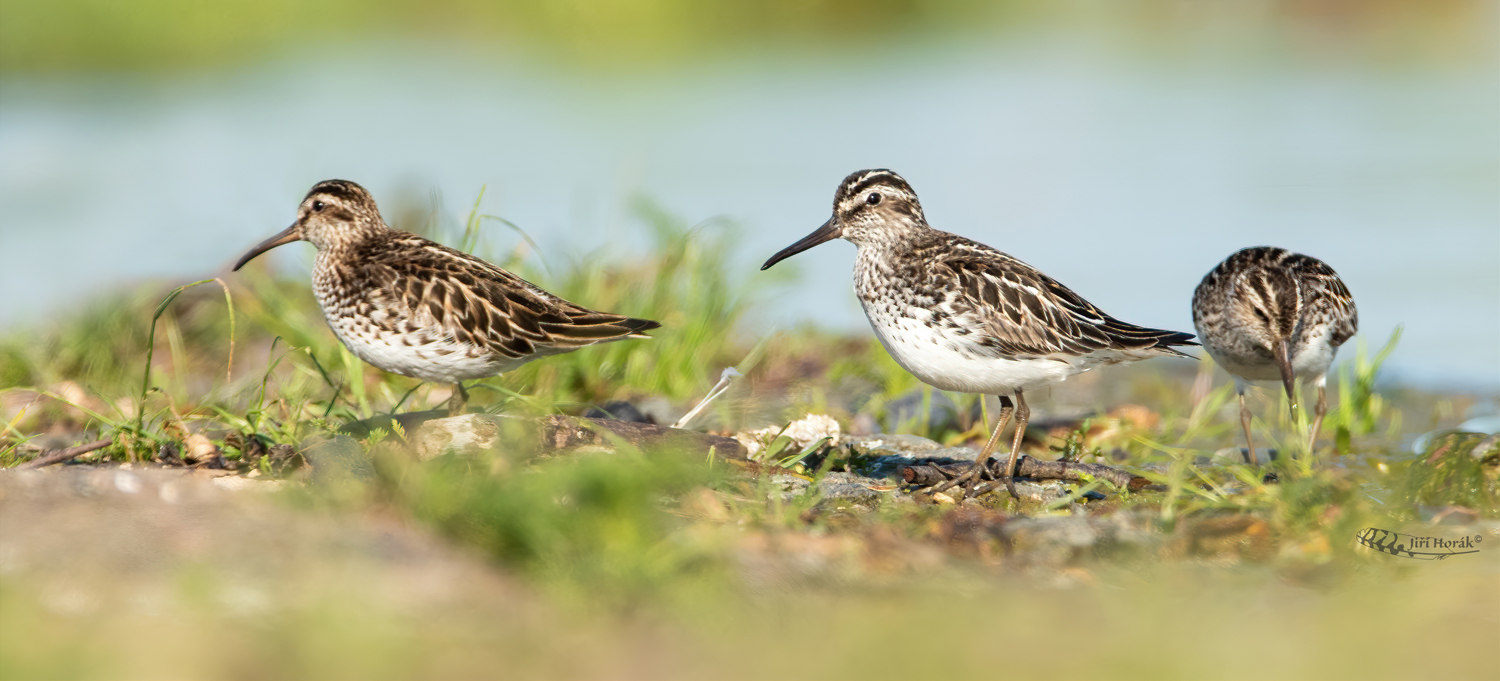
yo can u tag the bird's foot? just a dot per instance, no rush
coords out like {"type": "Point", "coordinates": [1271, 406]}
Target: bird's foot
{"type": "Point", "coordinates": [969, 476]}
{"type": "Point", "coordinates": [1010, 486]}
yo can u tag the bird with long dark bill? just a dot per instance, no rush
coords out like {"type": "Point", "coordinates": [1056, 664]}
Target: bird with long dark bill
{"type": "Point", "coordinates": [1268, 314]}
{"type": "Point", "coordinates": [965, 317]}
{"type": "Point", "coordinates": [415, 307]}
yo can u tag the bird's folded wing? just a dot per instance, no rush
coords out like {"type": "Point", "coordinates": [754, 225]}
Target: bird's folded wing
{"type": "Point", "coordinates": [478, 303]}
{"type": "Point", "coordinates": [1027, 314]}
{"type": "Point", "coordinates": [1332, 295]}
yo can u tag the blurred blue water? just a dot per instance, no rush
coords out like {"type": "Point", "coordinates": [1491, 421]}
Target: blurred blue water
{"type": "Point", "coordinates": [1125, 179]}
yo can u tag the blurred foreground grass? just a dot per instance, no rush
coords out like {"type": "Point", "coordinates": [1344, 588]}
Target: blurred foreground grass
{"type": "Point", "coordinates": [654, 567]}
{"type": "Point", "coordinates": [666, 564]}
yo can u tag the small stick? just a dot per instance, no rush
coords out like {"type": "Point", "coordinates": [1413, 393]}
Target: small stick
{"type": "Point", "coordinates": [928, 474]}
{"type": "Point", "coordinates": [61, 455]}
{"type": "Point", "coordinates": [725, 377]}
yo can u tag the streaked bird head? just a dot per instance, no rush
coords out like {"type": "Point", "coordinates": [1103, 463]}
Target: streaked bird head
{"type": "Point", "coordinates": [870, 206]}
{"type": "Point", "coordinates": [334, 213]}
{"type": "Point", "coordinates": [1268, 306]}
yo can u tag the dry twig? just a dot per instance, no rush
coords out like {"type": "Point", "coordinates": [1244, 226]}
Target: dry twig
{"type": "Point", "coordinates": [929, 474]}
{"type": "Point", "coordinates": [60, 455]}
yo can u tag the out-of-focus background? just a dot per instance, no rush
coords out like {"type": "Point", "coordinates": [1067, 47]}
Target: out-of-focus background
{"type": "Point", "coordinates": [1123, 147]}
{"type": "Point", "coordinates": [247, 509]}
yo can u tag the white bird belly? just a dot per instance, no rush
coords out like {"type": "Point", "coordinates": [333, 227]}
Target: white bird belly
{"type": "Point", "coordinates": [442, 361]}
{"type": "Point", "coordinates": [1310, 362]}
{"type": "Point", "coordinates": [937, 360]}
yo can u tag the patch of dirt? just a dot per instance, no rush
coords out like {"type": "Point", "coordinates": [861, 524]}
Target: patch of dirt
{"type": "Point", "coordinates": [90, 539]}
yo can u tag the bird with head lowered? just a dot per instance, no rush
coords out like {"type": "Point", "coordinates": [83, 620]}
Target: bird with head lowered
{"type": "Point", "coordinates": [1268, 314]}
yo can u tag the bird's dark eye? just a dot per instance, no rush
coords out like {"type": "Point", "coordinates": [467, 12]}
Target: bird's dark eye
{"type": "Point", "coordinates": [1262, 316]}
{"type": "Point", "coordinates": [873, 198]}
{"type": "Point", "coordinates": [317, 206]}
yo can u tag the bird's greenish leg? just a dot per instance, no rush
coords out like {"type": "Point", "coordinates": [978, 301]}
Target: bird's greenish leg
{"type": "Point", "coordinates": [1023, 415]}
{"type": "Point", "coordinates": [1245, 422]}
{"type": "Point", "coordinates": [1318, 412]}
{"type": "Point", "coordinates": [459, 402]}
{"type": "Point", "coordinates": [1006, 409]}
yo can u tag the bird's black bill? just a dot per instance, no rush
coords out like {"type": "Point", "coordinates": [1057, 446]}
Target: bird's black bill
{"type": "Point", "coordinates": [828, 232]}
{"type": "Point", "coordinates": [287, 236]}
{"type": "Point", "coordinates": [1283, 352]}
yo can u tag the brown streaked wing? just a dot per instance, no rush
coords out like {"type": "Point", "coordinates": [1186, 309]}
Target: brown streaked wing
{"type": "Point", "coordinates": [1036, 315]}
{"type": "Point", "coordinates": [586, 327]}
{"type": "Point", "coordinates": [476, 302]}
{"type": "Point", "coordinates": [1332, 292]}
{"type": "Point", "coordinates": [1017, 323]}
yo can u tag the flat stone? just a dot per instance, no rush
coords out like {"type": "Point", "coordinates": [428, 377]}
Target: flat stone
{"type": "Point", "coordinates": [790, 486]}
{"type": "Point", "coordinates": [473, 434]}
{"type": "Point", "coordinates": [1487, 450]}
{"type": "Point", "coordinates": [841, 487]}
{"type": "Point", "coordinates": [801, 433]}
{"type": "Point", "coordinates": [465, 435]}
{"type": "Point", "coordinates": [893, 444]}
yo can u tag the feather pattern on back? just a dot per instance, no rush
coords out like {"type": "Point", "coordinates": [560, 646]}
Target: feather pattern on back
{"type": "Point", "coordinates": [1026, 313]}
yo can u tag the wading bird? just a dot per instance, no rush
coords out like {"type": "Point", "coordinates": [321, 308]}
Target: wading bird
{"type": "Point", "coordinates": [1268, 314]}
{"type": "Point", "coordinates": [417, 308]}
{"type": "Point", "coordinates": [962, 316]}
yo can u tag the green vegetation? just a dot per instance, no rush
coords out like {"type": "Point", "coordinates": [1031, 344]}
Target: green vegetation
{"type": "Point", "coordinates": [181, 35]}
{"type": "Point", "coordinates": [719, 568]}
{"type": "Point", "coordinates": [672, 564]}
{"type": "Point", "coordinates": [291, 378]}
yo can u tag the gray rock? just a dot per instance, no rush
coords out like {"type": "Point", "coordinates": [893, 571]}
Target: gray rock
{"type": "Point", "coordinates": [1054, 541]}
{"type": "Point", "coordinates": [464, 435]}
{"type": "Point", "coordinates": [1072, 531]}
{"type": "Point", "coordinates": [888, 444]}
{"type": "Point", "coordinates": [1488, 450]}
{"type": "Point", "coordinates": [788, 486]}
{"type": "Point", "coordinates": [842, 489]}
{"type": "Point", "coordinates": [837, 489]}
{"type": "Point", "coordinates": [518, 436]}
{"type": "Point", "coordinates": [1044, 491]}
{"type": "Point", "coordinates": [908, 447]}
{"type": "Point", "coordinates": [892, 451]}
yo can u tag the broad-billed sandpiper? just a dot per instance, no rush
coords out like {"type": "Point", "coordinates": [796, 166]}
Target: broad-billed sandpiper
{"type": "Point", "coordinates": [965, 317]}
{"type": "Point", "coordinates": [418, 308]}
{"type": "Point", "coordinates": [1267, 314]}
